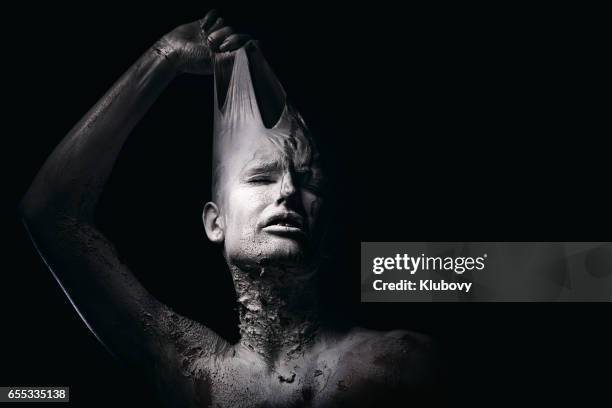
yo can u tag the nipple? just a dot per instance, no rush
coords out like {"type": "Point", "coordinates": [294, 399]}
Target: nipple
{"type": "Point", "coordinates": [288, 380]}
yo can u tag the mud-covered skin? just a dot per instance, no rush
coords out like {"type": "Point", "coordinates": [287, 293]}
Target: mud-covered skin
{"type": "Point", "coordinates": [277, 309]}
{"type": "Point", "coordinates": [360, 368]}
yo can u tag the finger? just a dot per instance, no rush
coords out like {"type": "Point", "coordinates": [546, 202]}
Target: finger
{"type": "Point", "coordinates": [208, 19]}
{"type": "Point", "coordinates": [217, 25]}
{"type": "Point", "coordinates": [219, 36]}
{"type": "Point", "coordinates": [234, 42]}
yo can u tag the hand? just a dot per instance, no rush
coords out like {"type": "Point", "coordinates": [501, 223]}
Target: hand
{"type": "Point", "coordinates": [192, 46]}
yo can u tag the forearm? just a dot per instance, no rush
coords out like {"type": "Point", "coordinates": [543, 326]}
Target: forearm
{"type": "Point", "coordinates": [72, 178]}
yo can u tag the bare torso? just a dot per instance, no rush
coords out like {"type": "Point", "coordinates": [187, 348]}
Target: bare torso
{"type": "Point", "coordinates": [361, 368]}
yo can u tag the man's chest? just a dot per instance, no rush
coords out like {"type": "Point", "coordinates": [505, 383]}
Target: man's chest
{"type": "Point", "coordinates": [320, 383]}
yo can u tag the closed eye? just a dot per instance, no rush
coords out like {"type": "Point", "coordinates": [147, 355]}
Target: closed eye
{"type": "Point", "coordinates": [260, 180]}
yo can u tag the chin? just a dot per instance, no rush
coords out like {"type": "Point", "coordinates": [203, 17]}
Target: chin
{"type": "Point", "coordinates": [270, 250]}
{"type": "Point", "coordinates": [287, 252]}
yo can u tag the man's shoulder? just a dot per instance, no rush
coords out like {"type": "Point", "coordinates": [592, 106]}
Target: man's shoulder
{"type": "Point", "coordinates": [392, 342]}
{"type": "Point", "coordinates": [379, 368]}
{"type": "Point", "coordinates": [399, 357]}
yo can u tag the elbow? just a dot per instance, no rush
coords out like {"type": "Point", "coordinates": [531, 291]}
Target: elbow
{"type": "Point", "coordinates": [27, 209]}
{"type": "Point", "coordinates": [47, 202]}
{"type": "Point", "coordinates": [31, 208]}
{"type": "Point", "coordinates": [36, 209]}
{"type": "Point", "coordinates": [40, 217]}
{"type": "Point", "coordinates": [29, 215]}
{"type": "Point", "coordinates": [49, 212]}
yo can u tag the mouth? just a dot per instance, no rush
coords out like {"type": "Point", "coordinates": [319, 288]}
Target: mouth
{"type": "Point", "coordinates": [286, 224]}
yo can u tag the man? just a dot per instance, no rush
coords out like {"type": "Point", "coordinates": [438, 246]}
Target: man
{"type": "Point", "coordinates": [266, 214]}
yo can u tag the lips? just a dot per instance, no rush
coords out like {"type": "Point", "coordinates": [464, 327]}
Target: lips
{"type": "Point", "coordinates": [285, 224]}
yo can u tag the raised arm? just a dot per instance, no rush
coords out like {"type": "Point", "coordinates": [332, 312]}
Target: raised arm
{"type": "Point", "coordinates": [58, 209]}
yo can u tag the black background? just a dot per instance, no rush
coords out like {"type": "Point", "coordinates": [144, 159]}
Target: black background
{"type": "Point", "coordinates": [440, 123]}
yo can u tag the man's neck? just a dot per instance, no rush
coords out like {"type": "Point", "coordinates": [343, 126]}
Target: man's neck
{"type": "Point", "coordinates": [278, 311]}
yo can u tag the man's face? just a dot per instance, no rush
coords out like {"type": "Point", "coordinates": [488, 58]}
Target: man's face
{"type": "Point", "coordinates": [271, 201]}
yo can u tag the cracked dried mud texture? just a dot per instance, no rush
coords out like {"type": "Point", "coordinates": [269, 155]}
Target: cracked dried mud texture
{"type": "Point", "coordinates": [277, 310]}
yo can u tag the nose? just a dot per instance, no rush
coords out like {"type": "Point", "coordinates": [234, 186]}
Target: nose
{"type": "Point", "coordinates": [287, 186]}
